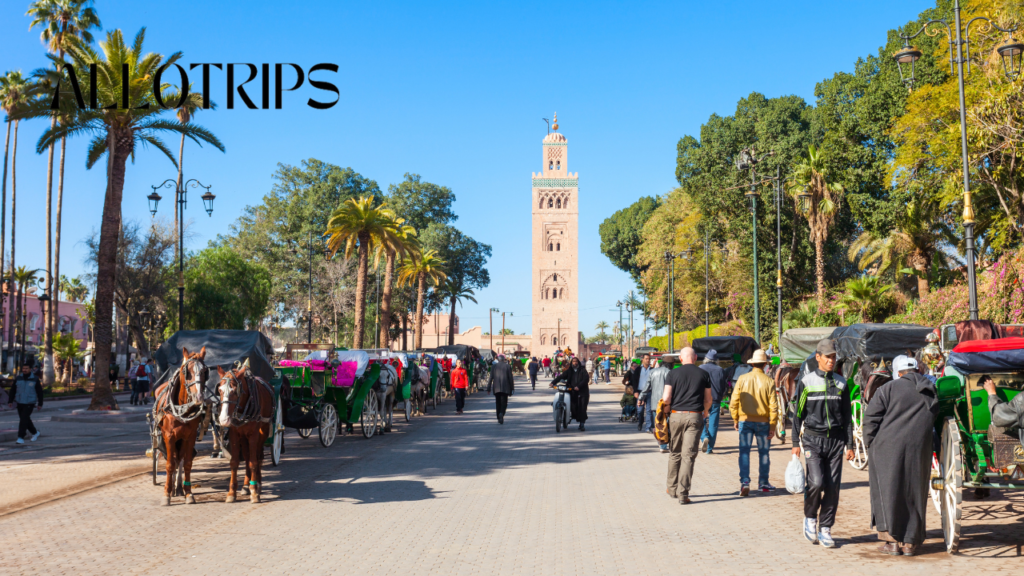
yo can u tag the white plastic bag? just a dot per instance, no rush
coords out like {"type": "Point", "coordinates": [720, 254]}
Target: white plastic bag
{"type": "Point", "coordinates": [795, 479]}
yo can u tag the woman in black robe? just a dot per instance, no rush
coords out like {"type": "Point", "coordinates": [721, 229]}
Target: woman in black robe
{"type": "Point", "coordinates": [576, 377]}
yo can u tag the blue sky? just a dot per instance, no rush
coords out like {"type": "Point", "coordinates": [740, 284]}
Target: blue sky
{"type": "Point", "coordinates": [455, 92]}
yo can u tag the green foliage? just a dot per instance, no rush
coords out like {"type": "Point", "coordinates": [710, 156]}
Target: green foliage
{"type": "Point", "coordinates": [465, 258]}
{"type": "Point", "coordinates": [223, 290]}
{"type": "Point", "coordinates": [683, 339]}
{"type": "Point", "coordinates": [421, 203]}
{"type": "Point", "coordinates": [863, 296]}
{"type": "Point", "coordinates": [621, 235]}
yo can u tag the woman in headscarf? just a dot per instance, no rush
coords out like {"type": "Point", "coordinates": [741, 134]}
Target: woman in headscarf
{"type": "Point", "coordinates": [576, 377]}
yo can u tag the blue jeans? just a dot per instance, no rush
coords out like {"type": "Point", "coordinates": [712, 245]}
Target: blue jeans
{"type": "Point", "coordinates": [648, 413]}
{"type": "Point", "coordinates": [711, 430]}
{"type": "Point", "coordinates": [749, 431]}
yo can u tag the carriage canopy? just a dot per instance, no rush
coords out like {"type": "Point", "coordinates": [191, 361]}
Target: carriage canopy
{"type": "Point", "coordinates": [799, 343]}
{"type": "Point", "coordinates": [223, 348]}
{"type": "Point", "coordinates": [866, 341]}
{"type": "Point", "coordinates": [729, 346]}
{"type": "Point", "coordinates": [1001, 355]}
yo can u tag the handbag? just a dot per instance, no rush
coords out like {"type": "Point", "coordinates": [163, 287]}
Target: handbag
{"type": "Point", "coordinates": [661, 423]}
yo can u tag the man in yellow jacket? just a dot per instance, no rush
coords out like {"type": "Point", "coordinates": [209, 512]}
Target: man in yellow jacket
{"type": "Point", "coordinates": [755, 413]}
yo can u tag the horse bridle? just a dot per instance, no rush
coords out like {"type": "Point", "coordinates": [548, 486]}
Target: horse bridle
{"type": "Point", "coordinates": [186, 412]}
{"type": "Point", "coordinates": [253, 410]}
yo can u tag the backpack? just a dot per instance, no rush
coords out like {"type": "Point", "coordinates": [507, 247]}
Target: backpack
{"type": "Point", "coordinates": [140, 372]}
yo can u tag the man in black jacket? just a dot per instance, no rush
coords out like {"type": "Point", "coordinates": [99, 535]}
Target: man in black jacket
{"type": "Point", "coordinates": [27, 393]}
{"type": "Point", "coordinates": [533, 367]}
{"type": "Point", "coordinates": [824, 416]}
{"type": "Point", "coordinates": [502, 386]}
{"type": "Point", "coordinates": [578, 380]}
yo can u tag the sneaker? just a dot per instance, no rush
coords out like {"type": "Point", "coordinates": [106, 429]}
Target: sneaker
{"type": "Point", "coordinates": [35, 436]}
{"type": "Point", "coordinates": [704, 445]}
{"type": "Point", "coordinates": [744, 489]}
{"type": "Point", "coordinates": [766, 488]}
{"type": "Point", "coordinates": [825, 537]}
{"type": "Point", "coordinates": [811, 530]}
{"type": "Point", "coordinates": [710, 452]}
{"type": "Point", "coordinates": [19, 441]}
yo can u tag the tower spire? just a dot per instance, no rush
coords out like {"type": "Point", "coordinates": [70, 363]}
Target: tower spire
{"type": "Point", "coordinates": [555, 126]}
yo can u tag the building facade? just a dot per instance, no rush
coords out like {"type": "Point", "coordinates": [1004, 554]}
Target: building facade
{"type": "Point", "coordinates": [555, 241]}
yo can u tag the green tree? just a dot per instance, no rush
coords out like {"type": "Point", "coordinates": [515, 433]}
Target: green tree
{"type": "Point", "coordinates": [223, 290]}
{"type": "Point", "coordinates": [75, 289]}
{"type": "Point", "coordinates": [455, 290]}
{"type": "Point", "coordinates": [400, 241]}
{"type": "Point", "coordinates": [811, 177]}
{"type": "Point", "coordinates": [360, 225]}
{"type": "Point", "coordinates": [119, 132]}
{"type": "Point", "coordinates": [621, 235]}
{"type": "Point", "coordinates": [426, 269]}
{"type": "Point", "coordinates": [67, 350]}
{"type": "Point", "coordinates": [466, 261]}
{"type": "Point", "coordinates": [421, 203]}
{"type": "Point", "coordinates": [862, 295]}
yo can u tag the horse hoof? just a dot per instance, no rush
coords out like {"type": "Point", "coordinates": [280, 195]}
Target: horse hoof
{"type": "Point", "coordinates": [255, 498]}
{"type": "Point", "coordinates": [190, 499]}
{"type": "Point", "coordinates": [166, 501]}
{"type": "Point", "coordinates": [230, 499]}
{"type": "Point", "coordinates": [246, 491]}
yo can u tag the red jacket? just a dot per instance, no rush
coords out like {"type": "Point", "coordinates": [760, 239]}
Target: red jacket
{"type": "Point", "coordinates": [459, 378]}
{"type": "Point", "coordinates": [546, 362]}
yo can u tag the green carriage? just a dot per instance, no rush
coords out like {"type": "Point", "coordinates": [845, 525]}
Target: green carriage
{"type": "Point", "coordinates": [471, 361]}
{"type": "Point", "coordinates": [973, 452]}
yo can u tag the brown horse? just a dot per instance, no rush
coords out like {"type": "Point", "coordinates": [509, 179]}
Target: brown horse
{"type": "Point", "coordinates": [246, 407]}
{"type": "Point", "coordinates": [179, 409]}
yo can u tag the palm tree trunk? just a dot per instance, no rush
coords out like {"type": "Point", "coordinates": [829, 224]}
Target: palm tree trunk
{"type": "Point", "coordinates": [3, 234]}
{"type": "Point", "coordinates": [451, 323]}
{"type": "Point", "coordinates": [921, 263]}
{"type": "Point", "coordinates": [119, 147]}
{"type": "Point", "coordinates": [385, 304]}
{"type": "Point", "coordinates": [10, 278]}
{"type": "Point", "coordinates": [48, 308]}
{"type": "Point", "coordinates": [56, 247]}
{"type": "Point", "coordinates": [360, 320]}
{"type": "Point", "coordinates": [421, 289]}
{"type": "Point", "coordinates": [405, 328]}
{"type": "Point", "coordinates": [181, 158]}
{"type": "Point", "coordinates": [819, 268]}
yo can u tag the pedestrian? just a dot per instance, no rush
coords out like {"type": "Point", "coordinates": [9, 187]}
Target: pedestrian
{"type": "Point", "coordinates": [133, 382]}
{"type": "Point", "coordinates": [899, 425]}
{"type": "Point", "coordinates": [576, 377]}
{"type": "Point", "coordinates": [607, 367]}
{"type": "Point", "coordinates": [114, 371]}
{"type": "Point", "coordinates": [143, 378]}
{"type": "Point", "coordinates": [533, 368]}
{"type": "Point", "coordinates": [823, 414]}
{"type": "Point", "coordinates": [459, 383]}
{"type": "Point", "coordinates": [657, 383]}
{"type": "Point", "coordinates": [754, 411]}
{"type": "Point", "coordinates": [27, 394]}
{"type": "Point", "coordinates": [547, 366]}
{"type": "Point", "coordinates": [590, 369]}
{"type": "Point", "coordinates": [504, 385]}
{"type": "Point", "coordinates": [718, 390]}
{"type": "Point", "coordinates": [687, 396]}
{"type": "Point", "coordinates": [639, 378]}
{"type": "Point", "coordinates": [1007, 415]}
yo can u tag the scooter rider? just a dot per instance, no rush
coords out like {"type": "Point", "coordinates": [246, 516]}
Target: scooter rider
{"type": "Point", "coordinates": [824, 413]}
{"type": "Point", "coordinates": [576, 377]}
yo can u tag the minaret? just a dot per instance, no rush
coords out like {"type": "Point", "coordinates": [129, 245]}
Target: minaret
{"type": "Point", "coordinates": [555, 249]}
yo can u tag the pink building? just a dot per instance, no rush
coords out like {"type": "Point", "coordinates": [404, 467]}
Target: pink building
{"type": "Point", "coordinates": [71, 319]}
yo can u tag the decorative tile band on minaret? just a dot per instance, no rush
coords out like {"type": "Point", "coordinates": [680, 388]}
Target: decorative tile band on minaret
{"type": "Point", "coordinates": [555, 244]}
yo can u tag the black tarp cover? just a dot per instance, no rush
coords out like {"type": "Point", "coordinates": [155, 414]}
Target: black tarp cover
{"type": "Point", "coordinates": [488, 355]}
{"type": "Point", "coordinates": [460, 351]}
{"type": "Point", "coordinates": [726, 346]}
{"type": "Point", "coordinates": [223, 348]}
{"type": "Point", "coordinates": [866, 341]}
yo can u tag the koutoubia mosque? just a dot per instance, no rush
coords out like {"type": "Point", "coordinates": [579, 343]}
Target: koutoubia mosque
{"type": "Point", "coordinates": [554, 273]}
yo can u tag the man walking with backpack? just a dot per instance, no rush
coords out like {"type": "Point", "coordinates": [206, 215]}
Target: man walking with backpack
{"type": "Point", "coordinates": [824, 415]}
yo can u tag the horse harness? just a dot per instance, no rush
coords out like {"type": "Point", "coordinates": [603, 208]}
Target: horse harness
{"type": "Point", "coordinates": [252, 411]}
{"type": "Point", "coordinates": [195, 406]}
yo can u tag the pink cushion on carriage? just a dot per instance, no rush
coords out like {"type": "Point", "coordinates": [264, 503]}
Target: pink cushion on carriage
{"type": "Point", "coordinates": [345, 375]}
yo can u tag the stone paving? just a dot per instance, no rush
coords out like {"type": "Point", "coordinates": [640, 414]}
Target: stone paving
{"type": "Point", "coordinates": [449, 494]}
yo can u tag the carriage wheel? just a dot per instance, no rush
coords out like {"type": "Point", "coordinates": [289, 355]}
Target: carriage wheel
{"type": "Point", "coordinates": [860, 453]}
{"type": "Point", "coordinates": [936, 495]}
{"type": "Point", "coordinates": [368, 418]}
{"type": "Point", "coordinates": [408, 409]}
{"type": "Point", "coordinates": [328, 425]}
{"type": "Point", "coordinates": [952, 485]}
{"type": "Point", "coordinates": [304, 432]}
{"type": "Point", "coordinates": [277, 445]}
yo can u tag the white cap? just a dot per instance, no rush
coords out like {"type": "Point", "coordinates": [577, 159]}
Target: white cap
{"type": "Point", "coordinates": [901, 363]}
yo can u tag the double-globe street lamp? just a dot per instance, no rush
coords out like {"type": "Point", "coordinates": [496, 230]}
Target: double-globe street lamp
{"type": "Point", "coordinates": [747, 161]}
{"type": "Point", "coordinates": [708, 248]}
{"type": "Point", "coordinates": [309, 287]}
{"type": "Point", "coordinates": [181, 201]}
{"type": "Point", "coordinates": [670, 265]}
{"type": "Point", "coordinates": [1010, 52]}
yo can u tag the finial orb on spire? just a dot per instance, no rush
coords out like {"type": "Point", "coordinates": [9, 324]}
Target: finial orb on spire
{"type": "Point", "coordinates": [555, 123]}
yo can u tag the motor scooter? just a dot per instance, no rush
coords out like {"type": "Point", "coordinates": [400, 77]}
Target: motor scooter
{"type": "Point", "coordinates": [560, 406]}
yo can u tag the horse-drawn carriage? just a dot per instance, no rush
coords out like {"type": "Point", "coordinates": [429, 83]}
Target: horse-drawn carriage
{"type": "Point", "coordinates": [973, 452]}
{"type": "Point", "coordinates": [471, 361]}
{"type": "Point", "coordinates": [519, 360]}
{"type": "Point", "coordinates": [616, 364]}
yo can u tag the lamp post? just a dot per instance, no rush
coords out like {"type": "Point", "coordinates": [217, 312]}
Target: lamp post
{"type": "Point", "coordinates": [490, 319]}
{"type": "Point", "coordinates": [707, 277]}
{"type": "Point", "coordinates": [746, 160]}
{"type": "Point", "coordinates": [181, 200]}
{"type": "Point", "coordinates": [309, 288]}
{"type": "Point", "coordinates": [618, 303]}
{"type": "Point", "coordinates": [670, 265]}
{"type": "Point", "coordinates": [1011, 54]}
{"type": "Point", "coordinates": [558, 332]}
{"type": "Point", "coordinates": [503, 331]}
{"type": "Point", "coordinates": [145, 327]}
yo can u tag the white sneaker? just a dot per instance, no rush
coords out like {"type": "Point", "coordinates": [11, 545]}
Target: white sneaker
{"type": "Point", "coordinates": [811, 530]}
{"type": "Point", "coordinates": [825, 537]}
{"type": "Point", "coordinates": [35, 436]}
{"type": "Point", "coordinates": [19, 441]}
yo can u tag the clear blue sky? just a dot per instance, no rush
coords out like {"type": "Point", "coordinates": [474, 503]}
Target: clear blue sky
{"type": "Point", "coordinates": [455, 91]}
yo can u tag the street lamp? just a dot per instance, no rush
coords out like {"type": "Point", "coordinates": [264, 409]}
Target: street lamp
{"type": "Point", "coordinates": [145, 326]}
{"type": "Point", "coordinates": [708, 249]}
{"type": "Point", "coordinates": [490, 318]}
{"type": "Point", "coordinates": [181, 201]}
{"type": "Point", "coordinates": [309, 296]}
{"type": "Point", "coordinates": [618, 304]}
{"type": "Point", "coordinates": [744, 161]}
{"type": "Point", "coordinates": [670, 265]}
{"type": "Point", "coordinates": [1010, 53]}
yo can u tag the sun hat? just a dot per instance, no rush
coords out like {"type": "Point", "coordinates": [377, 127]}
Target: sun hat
{"type": "Point", "coordinates": [759, 357]}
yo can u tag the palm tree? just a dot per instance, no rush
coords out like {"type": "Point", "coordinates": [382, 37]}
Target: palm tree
{"type": "Point", "coordinates": [24, 278]}
{"type": "Point", "coordinates": [14, 93]}
{"type": "Point", "coordinates": [118, 134]}
{"type": "Point", "coordinates": [914, 243]}
{"type": "Point", "coordinates": [601, 326]}
{"type": "Point", "coordinates": [455, 290]}
{"type": "Point", "coordinates": [425, 269]}
{"type": "Point", "coordinates": [399, 242]}
{"type": "Point", "coordinates": [862, 294]}
{"type": "Point", "coordinates": [67, 349]}
{"type": "Point", "coordinates": [61, 21]}
{"type": "Point", "coordinates": [358, 224]}
{"type": "Point", "coordinates": [192, 104]}
{"type": "Point", "coordinates": [74, 288]}
{"type": "Point", "coordinates": [820, 208]}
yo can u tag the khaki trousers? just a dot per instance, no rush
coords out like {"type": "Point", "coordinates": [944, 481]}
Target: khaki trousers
{"type": "Point", "coordinates": [684, 430]}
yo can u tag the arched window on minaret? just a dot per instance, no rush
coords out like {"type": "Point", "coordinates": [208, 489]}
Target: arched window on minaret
{"type": "Point", "coordinates": [565, 204]}
{"type": "Point", "coordinates": [551, 165]}
{"type": "Point", "coordinates": [551, 203]}
{"type": "Point", "coordinates": [558, 246]}
{"type": "Point", "coordinates": [550, 248]}
{"type": "Point", "coordinates": [554, 277]}
{"type": "Point", "coordinates": [543, 340]}
{"type": "Point", "coordinates": [558, 203]}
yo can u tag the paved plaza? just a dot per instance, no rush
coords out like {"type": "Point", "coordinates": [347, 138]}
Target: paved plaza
{"type": "Point", "coordinates": [449, 494]}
